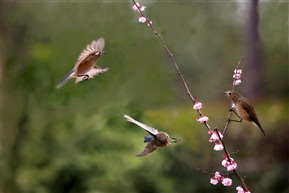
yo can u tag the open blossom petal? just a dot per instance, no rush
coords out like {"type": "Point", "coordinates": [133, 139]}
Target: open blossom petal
{"type": "Point", "coordinates": [237, 76]}
{"type": "Point", "coordinates": [134, 6]}
{"type": "Point", "coordinates": [197, 106]}
{"type": "Point", "coordinates": [203, 119]}
{"type": "Point", "coordinates": [142, 8]}
{"type": "Point", "coordinates": [240, 189]}
{"type": "Point", "coordinates": [229, 164]}
{"type": "Point", "coordinates": [232, 166]}
{"type": "Point", "coordinates": [238, 71]}
{"type": "Point", "coordinates": [214, 181]}
{"type": "Point", "coordinates": [237, 82]}
{"type": "Point", "coordinates": [218, 147]}
{"type": "Point", "coordinates": [218, 176]}
{"type": "Point", "coordinates": [227, 182]}
{"type": "Point", "coordinates": [215, 137]}
{"type": "Point", "coordinates": [142, 19]}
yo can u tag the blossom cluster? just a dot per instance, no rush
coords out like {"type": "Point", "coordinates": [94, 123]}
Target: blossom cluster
{"type": "Point", "coordinates": [237, 77]}
{"type": "Point", "coordinates": [202, 119]}
{"type": "Point", "coordinates": [218, 177]}
{"type": "Point", "coordinates": [215, 139]}
{"type": "Point", "coordinates": [229, 163]}
{"type": "Point", "coordinates": [241, 190]}
{"type": "Point", "coordinates": [140, 8]}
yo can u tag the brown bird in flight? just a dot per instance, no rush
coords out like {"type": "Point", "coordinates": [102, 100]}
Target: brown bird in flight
{"type": "Point", "coordinates": [157, 139]}
{"type": "Point", "coordinates": [244, 108]}
{"type": "Point", "coordinates": [85, 67]}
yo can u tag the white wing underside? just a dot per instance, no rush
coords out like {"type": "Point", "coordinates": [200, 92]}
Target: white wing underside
{"type": "Point", "coordinates": [146, 127]}
{"type": "Point", "coordinates": [92, 73]}
{"type": "Point", "coordinates": [94, 46]}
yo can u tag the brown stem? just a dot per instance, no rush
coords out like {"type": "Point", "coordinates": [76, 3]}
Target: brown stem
{"type": "Point", "coordinates": [187, 88]}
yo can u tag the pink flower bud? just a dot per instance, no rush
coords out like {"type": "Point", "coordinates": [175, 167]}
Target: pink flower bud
{"type": "Point", "coordinates": [218, 147]}
{"type": "Point", "coordinates": [227, 182]}
{"type": "Point", "coordinates": [237, 76]}
{"type": "Point", "coordinates": [237, 82]}
{"type": "Point", "coordinates": [215, 137]}
{"type": "Point", "coordinates": [197, 106]}
{"type": "Point", "coordinates": [142, 19]}
{"type": "Point", "coordinates": [240, 189]}
{"type": "Point", "coordinates": [229, 164]}
{"type": "Point", "coordinates": [233, 105]}
{"type": "Point", "coordinates": [214, 181]}
{"type": "Point", "coordinates": [218, 176]}
{"type": "Point", "coordinates": [150, 22]}
{"type": "Point", "coordinates": [238, 71]}
{"type": "Point", "coordinates": [202, 119]}
{"type": "Point", "coordinates": [210, 132]}
{"type": "Point", "coordinates": [134, 6]}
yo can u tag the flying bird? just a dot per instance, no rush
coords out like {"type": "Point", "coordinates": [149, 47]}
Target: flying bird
{"type": "Point", "coordinates": [85, 67]}
{"type": "Point", "coordinates": [157, 139]}
{"type": "Point", "coordinates": [244, 109]}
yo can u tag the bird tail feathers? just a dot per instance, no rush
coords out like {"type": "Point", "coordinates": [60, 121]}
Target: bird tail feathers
{"type": "Point", "coordinates": [65, 79]}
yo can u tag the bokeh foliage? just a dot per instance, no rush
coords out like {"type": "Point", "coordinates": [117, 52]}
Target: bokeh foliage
{"type": "Point", "coordinates": [75, 139]}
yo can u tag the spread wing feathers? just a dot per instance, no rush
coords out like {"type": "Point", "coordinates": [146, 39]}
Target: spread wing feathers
{"type": "Point", "coordinates": [149, 129]}
{"type": "Point", "coordinates": [93, 72]}
{"type": "Point", "coordinates": [148, 149]}
{"type": "Point", "coordinates": [93, 47]}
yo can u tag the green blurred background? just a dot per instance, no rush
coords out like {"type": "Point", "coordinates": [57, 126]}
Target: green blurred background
{"type": "Point", "coordinates": [75, 139]}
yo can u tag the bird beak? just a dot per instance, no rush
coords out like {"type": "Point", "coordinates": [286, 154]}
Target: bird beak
{"type": "Point", "coordinates": [175, 140]}
{"type": "Point", "coordinates": [103, 53]}
{"type": "Point", "coordinates": [224, 92]}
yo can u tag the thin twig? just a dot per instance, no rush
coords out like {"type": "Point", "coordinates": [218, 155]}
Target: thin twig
{"type": "Point", "coordinates": [228, 156]}
{"type": "Point", "coordinates": [187, 88]}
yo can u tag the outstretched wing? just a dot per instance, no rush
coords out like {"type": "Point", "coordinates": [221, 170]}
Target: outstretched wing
{"type": "Point", "coordinates": [149, 129]}
{"type": "Point", "coordinates": [92, 48]}
{"type": "Point", "coordinates": [93, 72]}
{"type": "Point", "coordinates": [148, 149]}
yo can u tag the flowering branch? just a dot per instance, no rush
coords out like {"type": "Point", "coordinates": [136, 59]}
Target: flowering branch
{"type": "Point", "coordinates": [216, 136]}
{"type": "Point", "coordinates": [236, 81]}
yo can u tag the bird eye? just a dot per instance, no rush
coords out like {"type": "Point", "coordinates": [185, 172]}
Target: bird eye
{"type": "Point", "coordinates": [230, 93]}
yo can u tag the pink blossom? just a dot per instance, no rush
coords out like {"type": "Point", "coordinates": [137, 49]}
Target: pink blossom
{"type": "Point", "coordinates": [233, 105]}
{"type": "Point", "coordinates": [215, 137]}
{"type": "Point", "coordinates": [247, 191]}
{"type": "Point", "coordinates": [218, 146]}
{"type": "Point", "coordinates": [238, 71]}
{"type": "Point", "coordinates": [142, 8]}
{"type": "Point", "coordinates": [210, 132]}
{"type": "Point", "coordinates": [218, 176]}
{"type": "Point", "coordinates": [237, 82]}
{"type": "Point", "coordinates": [197, 106]}
{"type": "Point", "coordinates": [214, 181]}
{"type": "Point", "coordinates": [142, 19]}
{"type": "Point", "coordinates": [202, 119]}
{"type": "Point", "coordinates": [240, 189]}
{"type": "Point", "coordinates": [227, 182]}
{"type": "Point", "coordinates": [229, 164]}
{"type": "Point", "coordinates": [237, 76]}
{"type": "Point", "coordinates": [150, 22]}
{"type": "Point", "coordinates": [136, 5]}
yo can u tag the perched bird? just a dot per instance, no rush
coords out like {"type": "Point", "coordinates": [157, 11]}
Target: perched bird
{"type": "Point", "coordinates": [157, 139]}
{"type": "Point", "coordinates": [244, 109]}
{"type": "Point", "coordinates": [85, 67]}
